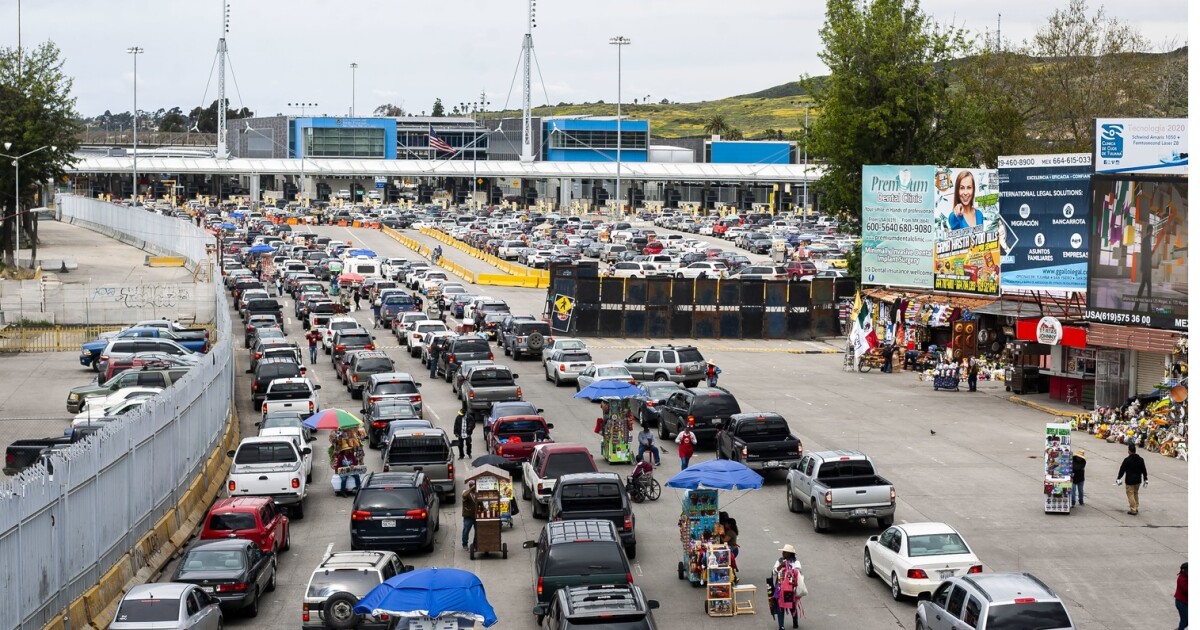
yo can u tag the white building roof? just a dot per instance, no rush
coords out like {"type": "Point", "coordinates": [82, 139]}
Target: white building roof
{"type": "Point", "coordinates": [656, 171]}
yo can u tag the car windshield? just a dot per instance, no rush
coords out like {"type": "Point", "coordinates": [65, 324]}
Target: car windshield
{"type": "Point", "coordinates": [585, 558]}
{"type": "Point", "coordinates": [354, 581]}
{"type": "Point", "coordinates": [395, 388]}
{"type": "Point", "coordinates": [472, 346]}
{"type": "Point", "coordinates": [381, 364]}
{"type": "Point", "coordinates": [148, 611]}
{"type": "Point", "coordinates": [389, 499]}
{"type": "Point", "coordinates": [1031, 616]}
{"type": "Point", "coordinates": [231, 521]}
{"type": "Point", "coordinates": [265, 453]}
{"type": "Point", "coordinates": [213, 560]}
{"type": "Point", "coordinates": [612, 371]}
{"type": "Point", "coordinates": [936, 545]}
{"type": "Point", "coordinates": [560, 464]}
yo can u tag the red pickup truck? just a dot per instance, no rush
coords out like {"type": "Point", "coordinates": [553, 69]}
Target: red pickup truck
{"type": "Point", "coordinates": [513, 438]}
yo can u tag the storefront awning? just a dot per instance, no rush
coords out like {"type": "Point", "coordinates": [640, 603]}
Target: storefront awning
{"type": "Point", "coordinates": [1132, 337]}
{"type": "Point", "coordinates": [924, 297]}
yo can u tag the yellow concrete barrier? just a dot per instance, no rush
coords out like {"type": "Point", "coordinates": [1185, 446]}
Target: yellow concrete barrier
{"type": "Point", "coordinates": [78, 612]}
{"type": "Point", "coordinates": [165, 261]}
{"type": "Point", "coordinates": [102, 599]}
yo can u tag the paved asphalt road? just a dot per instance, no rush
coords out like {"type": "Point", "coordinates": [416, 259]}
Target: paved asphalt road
{"type": "Point", "coordinates": [981, 473]}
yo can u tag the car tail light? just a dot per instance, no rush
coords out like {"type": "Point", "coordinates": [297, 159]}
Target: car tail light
{"type": "Point", "coordinates": [518, 392]}
{"type": "Point", "coordinates": [628, 526]}
{"type": "Point", "coordinates": [360, 515]}
{"type": "Point", "coordinates": [295, 482]}
{"type": "Point", "coordinates": [978, 568]}
{"type": "Point", "coordinates": [103, 359]}
{"type": "Point", "coordinates": [540, 586]}
{"type": "Point", "coordinates": [249, 328]}
{"type": "Point", "coordinates": [416, 514]}
{"type": "Point", "coordinates": [254, 388]}
{"type": "Point", "coordinates": [691, 421]}
{"type": "Point", "coordinates": [232, 483]}
{"type": "Point", "coordinates": [800, 452]}
{"type": "Point", "coordinates": [917, 574]}
{"type": "Point", "coordinates": [374, 399]}
{"type": "Point", "coordinates": [264, 407]}
{"type": "Point", "coordinates": [238, 587]}
{"type": "Point", "coordinates": [499, 450]}
{"type": "Point", "coordinates": [387, 468]}
{"type": "Point", "coordinates": [354, 377]}
{"type": "Point", "coordinates": [829, 497]}
{"type": "Point", "coordinates": [304, 616]}
{"type": "Point", "coordinates": [892, 494]}
{"type": "Point", "coordinates": [450, 358]}
{"type": "Point", "coordinates": [520, 340]}
{"type": "Point", "coordinates": [1024, 600]}
{"type": "Point", "coordinates": [745, 452]}
{"type": "Point", "coordinates": [312, 408]}
{"type": "Point", "coordinates": [339, 348]}
{"type": "Point", "coordinates": [491, 357]}
{"type": "Point", "coordinates": [562, 367]}
{"type": "Point", "coordinates": [257, 355]}
{"type": "Point", "coordinates": [679, 369]}
{"type": "Point", "coordinates": [370, 346]}
{"type": "Point", "coordinates": [471, 395]}
{"type": "Point", "coordinates": [450, 470]}
{"type": "Point", "coordinates": [629, 578]}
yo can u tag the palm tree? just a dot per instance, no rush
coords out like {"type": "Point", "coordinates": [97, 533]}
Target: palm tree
{"type": "Point", "coordinates": [716, 124]}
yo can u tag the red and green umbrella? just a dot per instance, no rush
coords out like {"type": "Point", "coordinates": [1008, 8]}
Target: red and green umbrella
{"type": "Point", "coordinates": [331, 419]}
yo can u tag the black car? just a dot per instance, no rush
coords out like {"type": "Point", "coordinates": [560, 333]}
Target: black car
{"type": "Point", "coordinates": [395, 511]}
{"type": "Point", "coordinates": [380, 414]}
{"type": "Point", "coordinates": [576, 553]}
{"type": "Point", "coordinates": [233, 570]}
{"type": "Point", "coordinates": [704, 410]}
{"type": "Point", "coordinates": [461, 349]}
{"type": "Point", "coordinates": [264, 306]}
{"type": "Point", "coordinates": [598, 495]}
{"type": "Point", "coordinates": [350, 339]}
{"type": "Point", "coordinates": [622, 606]}
{"type": "Point", "coordinates": [646, 407]}
{"type": "Point", "coordinates": [269, 369]}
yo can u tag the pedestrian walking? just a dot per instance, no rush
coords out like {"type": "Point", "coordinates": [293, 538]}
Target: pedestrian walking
{"type": "Point", "coordinates": [1133, 470]}
{"type": "Point", "coordinates": [787, 587]}
{"type": "Point", "coordinates": [1078, 464]}
{"type": "Point", "coordinates": [357, 297]}
{"type": "Point", "coordinates": [888, 350]}
{"type": "Point", "coordinates": [279, 286]}
{"type": "Point", "coordinates": [1181, 595]}
{"type": "Point", "coordinates": [464, 426]}
{"type": "Point", "coordinates": [972, 374]}
{"type": "Point", "coordinates": [687, 446]}
{"type": "Point", "coordinates": [646, 445]}
{"type": "Point", "coordinates": [468, 511]}
{"type": "Point", "coordinates": [314, 338]}
{"type": "Point", "coordinates": [435, 352]}
{"type": "Point", "coordinates": [376, 308]}
{"type": "Point", "coordinates": [712, 373]}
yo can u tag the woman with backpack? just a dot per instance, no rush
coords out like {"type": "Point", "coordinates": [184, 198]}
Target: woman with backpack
{"type": "Point", "coordinates": [787, 587]}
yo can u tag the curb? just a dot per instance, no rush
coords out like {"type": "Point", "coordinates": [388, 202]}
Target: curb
{"type": "Point", "coordinates": [1043, 408]}
{"type": "Point", "coordinates": [733, 349]}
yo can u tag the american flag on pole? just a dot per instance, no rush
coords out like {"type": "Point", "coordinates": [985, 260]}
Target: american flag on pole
{"type": "Point", "coordinates": [439, 144]}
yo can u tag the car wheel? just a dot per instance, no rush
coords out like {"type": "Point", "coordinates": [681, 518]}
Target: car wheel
{"type": "Point", "coordinates": [660, 377]}
{"type": "Point", "coordinates": [252, 609]}
{"type": "Point", "coordinates": [287, 540]}
{"type": "Point", "coordinates": [679, 276]}
{"type": "Point", "coordinates": [539, 513]}
{"type": "Point", "coordinates": [308, 477]}
{"type": "Point", "coordinates": [886, 521]}
{"type": "Point", "coordinates": [631, 551]}
{"type": "Point", "coordinates": [449, 375]}
{"type": "Point", "coordinates": [920, 626]}
{"type": "Point", "coordinates": [868, 566]}
{"type": "Point", "coordinates": [663, 431]}
{"type": "Point", "coordinates": [298, 511]}
{"type": "Point", "coordinates": [546, 372]}
{"type": "Point", "coordinates": [525, 493]}
{"type": "Point", "coordinates": [896, 594]}
{"type": "Point", "coordinates": [271, 585]}
{"type": "Point", "coordinates": [818, 523]}
{"type": "Point", "coordinates": [557, 380]}
{"type": "Point", "coordinates": [339, 611]}
{"type": "Point", "coordinates": [792, 503]}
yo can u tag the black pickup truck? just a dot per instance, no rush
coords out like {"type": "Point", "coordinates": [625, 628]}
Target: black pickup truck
{"type": "Point", "coordinates": [761, 441]}
{"type": "Point", "coordinates": [22, 454]}
{"type": "Point", "coordinates": [598, 495]}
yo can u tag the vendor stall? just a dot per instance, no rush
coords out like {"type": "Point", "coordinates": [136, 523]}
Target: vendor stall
{"type": "Point", "coordinates": [1057, 483]}
{"type": "Point", "coordinates": [493, 488]}
{"type": "Point", "coordinates": [615, 425]}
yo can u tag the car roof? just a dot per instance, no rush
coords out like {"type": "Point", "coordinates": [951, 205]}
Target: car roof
{"type": "Point", "coordinates": [391, 376]}
{"type": "Point", "coordinates": [238, 504]}
{"type": "Point", "coordinates": [998, 587]}
{"type": "Point", "coordinates": [222, 543]}
{"type": "Point", "coordinates": [352, 559]}
{"type": "Point", "coordinates": [925, 529]}
{"type": "Point", "coordinates": [407, 479]}
{"type": "Point", "coordinates": [581, 530]}
{"type": "Point", "coordinates": [602, 600]}
{"type": "Point", "coordinates": [173, 590]}
{"type": "Point", "coordinates": [589, 477]}
{"type": "Point", "coordinates": [560, 447]}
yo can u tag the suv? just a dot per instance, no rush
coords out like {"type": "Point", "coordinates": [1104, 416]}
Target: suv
{"type": "Point", "coordinates": [269, 369]}
{"type": "Point", "coordinates": [363, 365]}
{"type": "Point", "coordinates": [395, 510]}
{"type": "Point", "coordinates": [800, 269]}
{"type": "Point", "coordinates": [339, 581]}
{"type": "Point", "coordinates": [461, 349]}
{"type": "Point", "coordinates": [392, 385]}
{"type": "Point", "coordinates": [704, 410]}
{"type": "Point", "coordinates": [526, 337]}
{"type": "Point", "coordinates": [350, 339]}
{"type": "Point", "coordinates": [682, 364]}
{"type": "Point", "coordinates": [599, 495]}
{"type": "Point", "coordinates": [576, 553]}
{"type": "Point", "coordinates": [252, 518]}
{"type": "Point", "coordinates": [137, 377]}
{"type": "Point", "coordinates": [993, 600]}
{"type": "Point", "coordinates": [585, 606]}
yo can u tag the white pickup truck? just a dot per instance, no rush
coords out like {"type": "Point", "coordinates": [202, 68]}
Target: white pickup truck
{"type": "Point", "coordinates": [270, 467]}
{"type": "Point", "coordinates": [297, 395]}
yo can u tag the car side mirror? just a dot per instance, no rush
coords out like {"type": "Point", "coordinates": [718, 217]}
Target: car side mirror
{"type": "Point", "coordinates": [230, 453]}
{"type": "Point", "coordinates": [549, 425]}
{"type": "Point", "coordinates": [529, 544]}
{"type": "Point", "coordinates": [316, 387]}
{"type": "Point", "coordinates": [540, 410]}
{"type": "Point", "coordinates": [258, 424]}
{"type": "Point", "coordinates": [874, 538]}
{"type": "Point", "coordinates": [516, 376]}
{"type": "Point", "coordinates": [652, 604]}
{"type": "Point", "coordinates": [418, 384]}
{"type": "Point", "coordinates": [310, 439]}
{"type": "Point", "coordinates": [306, 451]}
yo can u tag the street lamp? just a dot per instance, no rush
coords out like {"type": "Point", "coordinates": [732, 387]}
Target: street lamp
{"type": "Point", "coordinates": [135, 51]}
{"type": "Point", "coordinates": [619, 41]}
{"type": "Point", "coordinates": [353, 86]}
{"type": "Point", "coordinates": [300, 149]}
{"type": "Point", "coordinates": [16, 162]}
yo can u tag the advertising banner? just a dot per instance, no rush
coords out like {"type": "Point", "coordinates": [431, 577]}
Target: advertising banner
{"type": "Point", "coordinates": [897, 219]}
{"type": "Point", "coordinates": [1044, 222]}
{"type": "Point", "coordinates": [1137, 269]}
{"type": "Point", "coordinates": [967, 227]}
{"type": "Point", "coordinates": [1154, 146]}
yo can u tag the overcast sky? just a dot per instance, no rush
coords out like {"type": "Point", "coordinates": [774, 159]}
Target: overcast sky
{"type": "Point", "coordinates": [412, 51]}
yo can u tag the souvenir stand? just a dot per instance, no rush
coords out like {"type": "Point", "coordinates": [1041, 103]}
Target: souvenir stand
{"type": "Point", "coordinates": [493, 490]}
{"type": "Point", "coordinates": [1057, 485]}
{"type": "Point", "coordinates": [616, 432]}
{"type": "Point", "coordinates": [697, 521]}
{"type": "Point", "coordinates": [946, 376]}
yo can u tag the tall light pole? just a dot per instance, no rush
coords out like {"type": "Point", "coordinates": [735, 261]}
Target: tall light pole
{"type": "Point", "coordinates": [619, 41]}
{"type": "Point", "coordinates": [353, 86]}
{"type": "Point", "coordinates": [806, 161]}
{"type": "Point", "coordinates": [476, 108]}
{"type": "Point", "coordinates": [135, 51]}
{"type": "Point", "coordinates": [16, 162]}
{"type": "Point", "coordinates": [300, 151]}
{"type": "Point", "coordinates": [526, 85]}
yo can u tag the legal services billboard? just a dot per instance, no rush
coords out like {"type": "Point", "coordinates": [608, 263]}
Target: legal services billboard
{"type": "Point", "coordinates": [931, 228]}
{"type": "Point", "coordinates": [1044, 207]}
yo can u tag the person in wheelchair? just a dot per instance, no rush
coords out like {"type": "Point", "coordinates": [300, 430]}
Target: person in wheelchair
{"type": "Point", "coordinates": [641, 475]}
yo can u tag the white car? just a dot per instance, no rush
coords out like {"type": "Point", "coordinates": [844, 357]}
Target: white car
{"type": "Point", "coordinates": [566, 365]}
{"type": "Point", "coordinates": [433, 280]}
{"type": "Point", "coordinates": [914, 558]}
{"type": "Point", "coordinates": [108, 413]}
{"type": "Point", "coordinates": [335, 324]}
{"type": "Point", "coordinates": [562, 343]}
{"type": "Point", "coordinates": [392, 265]}
{"type": "Point", "coordinates": [711, 270]}
{"type": "Point", "coordinates": [401, 325]}
{"type": "Point", "coordinates": [603, 372]}
{"type": "Point", "coordinates": [416, 334]}
{"type": "Point", "coordinates": [630, 269]}
{"type": "Point", "coordinates": [300, 439]}
{"type": "Point", "coordinates": [168, 605]}
{"type": "Point", "coordinates": [98, 404]}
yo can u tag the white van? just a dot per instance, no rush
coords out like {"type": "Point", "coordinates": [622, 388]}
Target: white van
{"type": "Point", "coordinates": [363, 266]}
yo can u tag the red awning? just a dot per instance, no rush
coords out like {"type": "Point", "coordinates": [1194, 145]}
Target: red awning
{"type": "Point", "coordinates": [1073, 336]}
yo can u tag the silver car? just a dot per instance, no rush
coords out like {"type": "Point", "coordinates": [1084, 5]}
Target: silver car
{"type": "Point", "coordinates": [566, 365]}
{"type": "Point", "coordinates": [602, 372]}
{"type": "Point", "coordinates": [167, 605]}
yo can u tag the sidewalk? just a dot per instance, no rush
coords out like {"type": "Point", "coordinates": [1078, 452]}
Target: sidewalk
{"type": "Point", "coordinates": [1042, 403]}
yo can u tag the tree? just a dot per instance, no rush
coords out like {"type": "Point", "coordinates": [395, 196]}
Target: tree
{"type": "Point", "coordinates": [716, 125]}
{"type": "Point", "coordinates": [36, 110]}
{"type": "Point", "coordinates": [887, 97]}
{"type": "Point", "coordinates": [205, 119]}
{"type": "Point", "coordinates": [173, 120]}
{"type": "Point", "coordinates": [390, 110]}
{"type": "Point", "coordinates": [733, 133]}
{"type": "Point", "coordinates": [438, 110]}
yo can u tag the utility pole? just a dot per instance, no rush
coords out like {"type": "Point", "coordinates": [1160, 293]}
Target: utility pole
{"type": "Point", "coordinates": [526, 90]}
{"type": "Point", "coordinates": [135, 51]}
{"type": "Point", "coordinates": [353, 86]}
{"type": "Point", "coordinates": [620, 42]}
{"type": "Point", "coordinates": [806, 161]}
{"type": "Point", "coordinates": [222, 131]}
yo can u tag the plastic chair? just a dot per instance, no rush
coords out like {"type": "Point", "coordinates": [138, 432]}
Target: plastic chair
{"type": "Point", "coordinates": [1073, 394]}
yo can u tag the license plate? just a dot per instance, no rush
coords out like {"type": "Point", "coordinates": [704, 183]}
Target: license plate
{"type": "Point", "coordinates": [859, 513]}
{"type": "Point", "coordinates": [210, 589]}
{"type": "Point", "coordinates": [947, 573]}
{"type": "Point", "coordinates": [388, 523]}
{"type": "Point", "coordinates": [773, 464]}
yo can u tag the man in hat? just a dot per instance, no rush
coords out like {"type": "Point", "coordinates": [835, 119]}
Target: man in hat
{"type": "Point", "coordinates": [1078, 464]}
{"type": "Point", "coordinates": [1133, 470]}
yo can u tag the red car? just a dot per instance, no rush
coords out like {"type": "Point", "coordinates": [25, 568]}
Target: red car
{"type": "Point", "coordinates": [251, 518]}
{"type": "Point", "coordinates": [653, 247]}
{"type": "Point", "coordinates": [799, 269]}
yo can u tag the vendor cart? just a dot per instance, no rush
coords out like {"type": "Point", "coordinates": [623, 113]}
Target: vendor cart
{"type": "Point", "coordinates": [433, 308]}
{"type": "Point", "coordinates": [945, 377]}
{"type": "Point", "coordinates": [697, 520]}
{"type": "Point", "coordinates": [493, 491]}
{"type": "Point", "coordinates": [616, 431]}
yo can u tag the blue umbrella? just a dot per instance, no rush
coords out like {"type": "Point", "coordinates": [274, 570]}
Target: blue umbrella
{"type": "Point", "coordinates": [228, 226]}
{"type": "Point", "coordinates": [260, 249]}
{"type": "Point", "coordinates": [430, 593]}
{"type": "Point", "coordinates": [237, 215]}
{"type": "Point", "coordinates": [610, 389]}
{"type": "Point", "coordinates": [719, 474]}
{"type": "Point", "coordinates": [362, 252]}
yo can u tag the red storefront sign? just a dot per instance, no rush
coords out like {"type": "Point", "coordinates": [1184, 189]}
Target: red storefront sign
{"type": "Point", "coordinates": [1073, 336]}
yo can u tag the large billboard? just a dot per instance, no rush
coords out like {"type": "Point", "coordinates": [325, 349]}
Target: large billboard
{"type": "Point", "coordinates": [967, 226]}
{"type": "Point", "coordinates": [897, 220]}
{"type": "Point", "coordinates": [1044, 222]}
{"type": "Point", "coordinates": [1137, 270]}
{"type": "Point", "coordinates": [1153, 146]}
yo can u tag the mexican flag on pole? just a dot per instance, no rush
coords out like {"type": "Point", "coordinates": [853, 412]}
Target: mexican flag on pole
{"type": "Point", "coordinates": [862, 333]}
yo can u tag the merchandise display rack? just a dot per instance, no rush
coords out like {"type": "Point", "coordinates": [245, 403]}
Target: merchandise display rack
{"type": "Point", "coordinates": [1057, 485]}
{"type": "Point", "coordinates": [719, 580]}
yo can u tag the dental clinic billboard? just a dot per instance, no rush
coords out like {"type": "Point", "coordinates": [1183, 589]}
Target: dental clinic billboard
{"type": "Point", "coordinates": [1044, 208]}
{"type": "Point", "coordinates": [897, 220]}
{"type": "Point", "coordinates": [1147, 146]}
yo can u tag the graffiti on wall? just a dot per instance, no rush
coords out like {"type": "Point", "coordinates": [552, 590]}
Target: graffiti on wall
{"type": "Point", "coordinates": [144, 295]}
